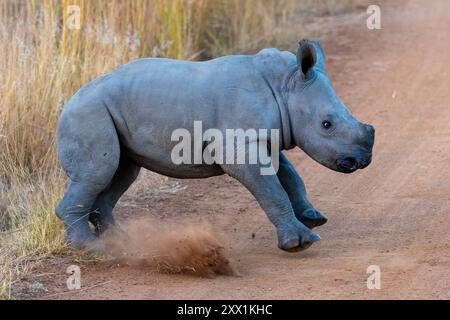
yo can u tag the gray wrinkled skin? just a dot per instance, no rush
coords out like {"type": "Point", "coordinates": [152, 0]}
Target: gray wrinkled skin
{"type": "Point", "coordinates": [123, 121]}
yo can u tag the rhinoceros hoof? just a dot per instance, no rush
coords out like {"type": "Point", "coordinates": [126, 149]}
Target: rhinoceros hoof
{"type": "Point", "coordinates": [312, 218]}
{"type": "Point", "coordinates": [80, 239]}
{"type": "Point", "coordinates": [295, 243]}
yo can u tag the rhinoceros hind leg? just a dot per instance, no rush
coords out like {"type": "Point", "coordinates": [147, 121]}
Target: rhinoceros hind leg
{"type": "Point", "coordinates": [101, 215]}
{"type": "Point", "coordinates": [74, 211]}
{"type": "Point", "coordinates": [89, 152]}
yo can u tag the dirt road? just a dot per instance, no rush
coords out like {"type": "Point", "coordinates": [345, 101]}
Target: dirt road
{"type": "Point", "coordinates": [395, 214]}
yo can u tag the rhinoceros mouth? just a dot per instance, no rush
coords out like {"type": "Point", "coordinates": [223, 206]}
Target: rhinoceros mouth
{"type": "Point", "coordinates": [347, 165]}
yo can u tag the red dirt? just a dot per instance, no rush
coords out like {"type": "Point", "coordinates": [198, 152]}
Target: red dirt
{"type": "Point", "coordinates": [394, 214]}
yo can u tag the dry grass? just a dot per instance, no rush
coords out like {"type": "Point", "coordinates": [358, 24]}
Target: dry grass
{"type": "Point", "coordinates": [43, 63]}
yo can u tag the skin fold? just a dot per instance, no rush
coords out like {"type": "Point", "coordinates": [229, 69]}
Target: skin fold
{"type": "Point", "coordinates": [123, 121]}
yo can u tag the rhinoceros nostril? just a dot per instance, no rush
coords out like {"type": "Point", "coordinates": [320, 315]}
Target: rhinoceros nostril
{"type": "Point", "coordinates": [347, 165]}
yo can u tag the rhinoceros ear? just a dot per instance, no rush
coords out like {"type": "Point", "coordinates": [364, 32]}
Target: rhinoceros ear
{"type": "Point", "coordinates": [306, 56]}
{"type": "Point", "coordinates": [320, 63]}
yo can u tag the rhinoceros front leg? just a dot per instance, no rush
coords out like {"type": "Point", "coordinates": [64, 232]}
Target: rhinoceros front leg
{"type": "Point", "coordinates": [295, 188]}
{"type": "Point", "coordinates": [292, 234]}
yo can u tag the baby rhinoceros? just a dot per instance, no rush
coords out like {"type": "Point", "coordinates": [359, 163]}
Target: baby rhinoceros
{"type": "Point", "coordinates": [124, 120]}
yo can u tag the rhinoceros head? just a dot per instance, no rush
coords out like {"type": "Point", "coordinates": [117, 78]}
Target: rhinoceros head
{"type": "Point", "coordinates": [321, 124]}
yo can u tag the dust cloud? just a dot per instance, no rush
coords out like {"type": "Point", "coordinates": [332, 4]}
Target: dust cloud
{"type": "Point", "coordinates": [168, 247]}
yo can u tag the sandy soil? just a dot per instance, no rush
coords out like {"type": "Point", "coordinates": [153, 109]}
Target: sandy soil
{"type": "Point", "coordinates": [394, 214]}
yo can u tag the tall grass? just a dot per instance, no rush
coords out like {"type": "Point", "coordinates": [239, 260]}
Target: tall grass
{"type": "Point", "coordinates": [43, 63]}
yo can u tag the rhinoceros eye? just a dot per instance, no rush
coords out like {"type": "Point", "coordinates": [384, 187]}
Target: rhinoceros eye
{"type": "Point", "coordinates": [327, 124]}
